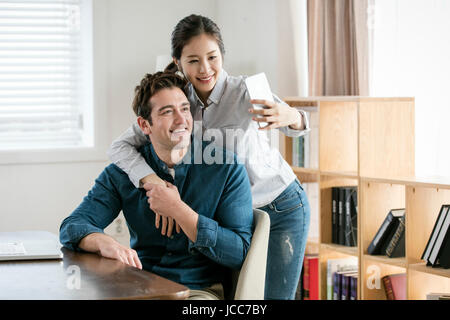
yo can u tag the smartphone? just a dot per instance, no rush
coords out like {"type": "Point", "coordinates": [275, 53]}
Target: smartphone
{"type": "Point", "coordinates": [258, 88]}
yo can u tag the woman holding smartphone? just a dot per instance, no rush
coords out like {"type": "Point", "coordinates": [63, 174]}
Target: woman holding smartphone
{"type": "Point", "coordinates": [222, 102]}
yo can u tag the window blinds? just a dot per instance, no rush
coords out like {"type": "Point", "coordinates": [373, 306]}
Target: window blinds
{"type": "Point", "coordinates": [40, 74]}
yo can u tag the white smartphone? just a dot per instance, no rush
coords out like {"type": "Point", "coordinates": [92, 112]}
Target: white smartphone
{"type": "Point", "coordinates": [258, 88]}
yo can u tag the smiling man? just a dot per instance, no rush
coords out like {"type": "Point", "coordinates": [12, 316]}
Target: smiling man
{"type": "Point", "coordinates": [211, 203]}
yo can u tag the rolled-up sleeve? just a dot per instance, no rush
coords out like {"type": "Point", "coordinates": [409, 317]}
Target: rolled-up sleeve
{"type": "Point", "coordinates": [123, 153]}
{"type": "Point", "coordinates": [226, 238]}
{"type": "Point", "coordinates": [292, 132]}
{"type": "Point", "coordinates": [97, 210]}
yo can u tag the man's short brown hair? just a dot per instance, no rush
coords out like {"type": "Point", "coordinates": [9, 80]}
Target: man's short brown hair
{"type": "Point", "coordinates": [149, 86]}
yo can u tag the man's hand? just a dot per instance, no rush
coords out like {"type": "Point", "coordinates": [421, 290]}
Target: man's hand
{"type": "Point", "coordinates": [163, 199]}
{"type": "Point", "coordinates": [167, 223]}
{"type": "Point", "coordinates": [166, 200]}
{"type": "Point", "coordinates": [107, 247]}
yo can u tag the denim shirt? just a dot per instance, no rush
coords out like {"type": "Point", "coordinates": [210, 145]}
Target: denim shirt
{"type": "Point", "coordinates": [219, 193]}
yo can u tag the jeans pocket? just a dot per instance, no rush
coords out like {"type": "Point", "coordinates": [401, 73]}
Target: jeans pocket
{"type": "Point", "coordinates": [287, 203]}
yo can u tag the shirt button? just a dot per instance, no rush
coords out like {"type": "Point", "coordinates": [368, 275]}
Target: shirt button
{"type": "Point", "coordinates": [171, 237]}
{"type": "Point", "coordinates": [169, 254]}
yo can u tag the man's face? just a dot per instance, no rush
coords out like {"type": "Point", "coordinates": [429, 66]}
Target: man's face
{"type": "Point", "coordinates": [171, 118]}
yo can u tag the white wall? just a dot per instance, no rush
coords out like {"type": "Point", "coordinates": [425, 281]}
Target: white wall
{"type": "Point", "coordinates": [128, 35]}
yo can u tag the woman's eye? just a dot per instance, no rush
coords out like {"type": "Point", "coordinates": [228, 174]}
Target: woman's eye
{"type": "Point", "coordinates": [212, 57]}
{"type": "Point", "coordinates": [192, 61]}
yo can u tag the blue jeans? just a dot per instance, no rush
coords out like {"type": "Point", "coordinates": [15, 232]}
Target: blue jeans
{"type": "Point", "coordinates": [289, 223]}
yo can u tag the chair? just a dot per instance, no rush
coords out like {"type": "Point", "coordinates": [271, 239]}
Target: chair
{"type": "Point", "coordinates": [249, 282]}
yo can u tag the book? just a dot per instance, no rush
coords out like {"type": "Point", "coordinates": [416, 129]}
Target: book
{"type": "Point", "coordinates": [341, 225]}
{"type": "Point", "coordinates": [385, 232]}
{"type": "Point", "coordinates": [436, 228]}
{"type": "Point", "coordinates": [395, 286]}
{"type": "Point", "coordinates": [311, 277]}
{"type": "Point", "coordinates": [354, 217]}
{"type": "Point", "coordinates": [298, 152]}
{"type": "Point", "coordinates": [350, 217]}
{"type": "Point", "coordinates": [334, 215]}
{"type": "Point", "coordinates": [335, 265]}
{"type": "Point", "coordinates": [314, 278]}
{"type": "Point", "coordinates": [310, 142]}
{"type": "Point", "coordinates": [354, 287]}
{"type": "Point", "coordinates": [346, 284]}
{"type": "Point", "coordinates": [396, 246]}
{"type": "Point", "coordinates": [444, 254]}
{"type": "Point", "coordinates": [442, 238]}
{"type": "Point", "coordinates": [336, 287]}
{"type": "Point", "coordinates": [438, 296]}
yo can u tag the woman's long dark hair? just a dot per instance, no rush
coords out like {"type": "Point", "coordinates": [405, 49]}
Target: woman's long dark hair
{"type": "Point", "coordinates": [189, 27]}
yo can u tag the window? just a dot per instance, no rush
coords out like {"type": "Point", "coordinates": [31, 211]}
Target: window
{"type": "Point", "coordinates": [45, 74]}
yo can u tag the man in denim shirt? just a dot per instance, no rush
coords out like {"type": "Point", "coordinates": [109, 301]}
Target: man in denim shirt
{"type": "Point", "coordinates": [211, 203]}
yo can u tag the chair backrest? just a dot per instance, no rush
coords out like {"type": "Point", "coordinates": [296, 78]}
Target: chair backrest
{"type": "Point", "coordinates": [250, 280]}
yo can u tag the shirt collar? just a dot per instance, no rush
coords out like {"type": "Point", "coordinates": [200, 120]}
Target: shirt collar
{"type": "Point", "coordinates": [217, 92]}
{"type": "Point", "coordinates": [151, 157]}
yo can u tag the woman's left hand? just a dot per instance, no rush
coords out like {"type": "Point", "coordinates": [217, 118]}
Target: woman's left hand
{"type": "Point", "coordinates": [276, 115]}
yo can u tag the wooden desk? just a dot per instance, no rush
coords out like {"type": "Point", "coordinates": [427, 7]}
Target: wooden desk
{"type": "Point", "coordinates": [100, 278]}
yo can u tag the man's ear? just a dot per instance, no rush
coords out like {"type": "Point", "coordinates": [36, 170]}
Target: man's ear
{"type": "Point", "coordinates": [144, 125]}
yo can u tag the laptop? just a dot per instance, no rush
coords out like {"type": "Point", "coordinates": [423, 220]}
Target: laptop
{"type": "Point", "coordinates": [29, 245]}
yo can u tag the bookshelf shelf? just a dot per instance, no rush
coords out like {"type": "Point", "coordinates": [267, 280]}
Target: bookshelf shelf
{"type": "Point", "coordinates": [306, 174]}
{"type": "Point", "coordinates": [351, 251]}
{"type": "Point", "coordinates": [421, 267]}
{"type": "Point", "coordinates": [396, 262]}
{"type": "Point", "coordinates": [348, 174]}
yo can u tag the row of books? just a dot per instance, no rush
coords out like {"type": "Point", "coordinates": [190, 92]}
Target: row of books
{"type": "Point", "coordinates": [390, 237]}
{"type": "Point", "coordinates": [437, 250]}
{"type": "Point", "coordinates": [342, 281]}
{"type": "Point", "coordinates": [305, 149]}
{"type": "Point", "coordinates": [344, 215]}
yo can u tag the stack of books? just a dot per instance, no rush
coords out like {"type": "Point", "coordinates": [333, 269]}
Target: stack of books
{"type": "Point", "coordinates": [342, 279]}
{"type": "Point", "coordinates": [437, 250]}
{"type": "Point", "coordinates": [390, 237]}
{"type": "Point", "coordinates": [344, 212]}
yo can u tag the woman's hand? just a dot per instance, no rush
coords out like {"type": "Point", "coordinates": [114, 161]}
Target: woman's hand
{"type": "Point", "coordinates": [276, 115]}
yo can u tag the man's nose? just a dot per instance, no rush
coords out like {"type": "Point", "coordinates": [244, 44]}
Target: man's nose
{"type": "Point", "coordinates": [179, 117]}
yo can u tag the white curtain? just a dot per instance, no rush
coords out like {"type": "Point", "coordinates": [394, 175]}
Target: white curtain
{"type": "Point", "coordinates": [410, 52]}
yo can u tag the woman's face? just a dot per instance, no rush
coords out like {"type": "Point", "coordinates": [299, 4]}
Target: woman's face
{"type": "Point", "coordinates": [201, 63]}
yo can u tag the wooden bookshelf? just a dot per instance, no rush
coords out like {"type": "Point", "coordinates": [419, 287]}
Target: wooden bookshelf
{"type": "Point", "coordinates": [369, 143]}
